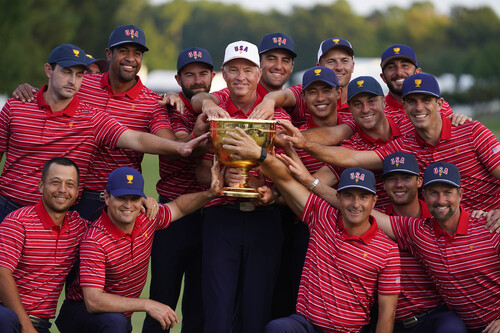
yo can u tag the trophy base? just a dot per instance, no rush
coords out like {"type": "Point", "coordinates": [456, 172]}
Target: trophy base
{"type": "Point", "coordinates": [240, 192]}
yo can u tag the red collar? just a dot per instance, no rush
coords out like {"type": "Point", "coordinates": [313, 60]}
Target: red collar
{"type": "Point", "coordinates": [366, 237]}
{"type": "Point", "coordinates": [392, 103]}
{"type": "Point", "coordinates": [395, 132]}
{"type": "Point", "coordinates": [68, 110]}
{"type": "Point", "coordinates": [445, 133]}
{"type": "Point", "coordinates": [261, 91]}
{"type": "Point", "coordinates": [115, 231]}
{"type": "Point", "coordinates": [47, 221]}
{"type": "Point", "coordinates": [463, 225]}
{"type": "Point", "coordinates": [132, 93]}
{"type": "Point", "coordinates": [233, 110]}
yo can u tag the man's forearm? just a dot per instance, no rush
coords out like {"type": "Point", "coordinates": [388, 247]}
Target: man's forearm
{"type": "Point", "coordinates": [9, 295]}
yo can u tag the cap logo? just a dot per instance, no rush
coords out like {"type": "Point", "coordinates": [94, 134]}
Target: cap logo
{"type": "Point", "coordinates": [195, 54]}
{"type": "Point", "coordinates": [76, 52]}
{"type": "Point", "coordinates": [418, 82]}
{"type": "Point", "coordinates": [89, 56]}
{"type": "Point", "coordinates": [317, 72]}
{"type": "Point", "coordinates": [241, 48]}
{"type": "Point", "coordinates": [397, 160]}
{"type": "Point", "coordinates": [130, 178]}
{"type": "Point", "coordinates": [132, 33]}
{"type": "Point", "coordinates": [439, 171]}
{"type": "Point", "coordinates": [356, 176]}
{"type": "Point", "coordinates": [279, 40]}
{"type": "Point", "coordinates": [336, 41]}
{"type": "Point", "coordinates": [396, 50]}
{"type": "Point", "coordinates": [360, 83]}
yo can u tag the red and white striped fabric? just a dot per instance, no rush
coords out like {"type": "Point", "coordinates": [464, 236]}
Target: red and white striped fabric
{"type": "Point", "coordinates": [418, 292]}
{"type": "Point", "coordinates": [343, 274]}
{"type": "Point", "coordinates": [178, 177]}
{"type": "Point", "coordinates": [114, 261]}
{"type": "Point", "coordinates": [39, 254]}
{"type": "Point", "coordinates": [137, 108]}
{"type": "Point", "coordinates": [31, 135]}
{"type": "Point", "coordinates": [471, 147]}
{"type": "Point", "coordinates": [465, 266]}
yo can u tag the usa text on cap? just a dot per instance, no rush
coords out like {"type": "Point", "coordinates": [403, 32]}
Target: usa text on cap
{"type": "Point", "coordinates": [330, 43]}
{"type": "Point", "coordinates": [319, 73]}
{"type": "Point", "coordinates": [242, 50]}
{"type": "Point", "coordinates": [125, 181]}
{"type": "Point", "coordinates": [442, 172]}
{"type": "Point", "coordinates": [277, 40]}
{"type": "Point", "coordinates": [125, 34]}
{"type": "Point", "coordinates": [364, 84]}
{"type": "Point", "coordinates": [398, 51]}
{"type": "Point", "coordinates": [67, 55]}
{"type": "Point", "coordinates": [421, 83]}
{"type": "Point", "coordinates": [194, 54]}
{"type": "Point", "coordinates": [357, 178]}
{"type": "Point", "coordinates": [401, 162]}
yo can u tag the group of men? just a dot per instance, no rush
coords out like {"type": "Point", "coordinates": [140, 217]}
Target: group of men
{"type": "Point", "coordinates": [247, 265]}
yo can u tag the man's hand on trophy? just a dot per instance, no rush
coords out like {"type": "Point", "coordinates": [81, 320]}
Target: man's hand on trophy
{"type": "Point", "coordinates": [243, 145]}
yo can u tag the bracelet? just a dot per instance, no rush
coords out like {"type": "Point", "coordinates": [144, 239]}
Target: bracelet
{"type": "Point", "coordinates": [192, 135]}
{"type": "Point", "coordinates": [314, 184]}
{"type": "Point", "coordinates": [263, 155]}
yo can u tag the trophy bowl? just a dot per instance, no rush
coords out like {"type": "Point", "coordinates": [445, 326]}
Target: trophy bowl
{"type": "Point", "coordinates": [261, 131]}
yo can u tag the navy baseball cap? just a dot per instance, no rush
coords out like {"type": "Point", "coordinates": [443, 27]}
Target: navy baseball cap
{"type": "Point", "coordinates": [125, 181]}
{"type": "Point", "coordinates": [125, 34]}
{"type": "Point", "coordinates": [277, 40]}
{"type": "Point", "coordinates": [398, 51]}
{"type": "Point", "coordinates": [194, 54]}
{"type": "Point", "coordinates": [319, 73]}
{"type": "Point", "coordinates": [330, 43]}
{"type": "Point", "coordinates": [363, 84]}
{"type": "Point", "coordinates": [401, 162]}
{"type": "Point", "coordinates": [68, 55]}
{"type": "Point", "coordinates": [421, 83]}
{"type": "Point", "coordinates": [357, 178]}
{"type": "Point", "coordinates": [103, 64]}
{"type": "Point", "coordinates": [442, 172]}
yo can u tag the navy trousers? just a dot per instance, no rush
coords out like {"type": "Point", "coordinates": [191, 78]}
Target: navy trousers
{"type": "Point", "coordinates": [9, 322]}
{"type": "Point", "coordinates": [176, 253]}
{"type": "Point", "coordinates": [241, 255]}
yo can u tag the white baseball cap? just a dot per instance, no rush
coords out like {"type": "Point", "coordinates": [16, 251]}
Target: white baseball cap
{"type": "Point", "coordinates": [242, 50]}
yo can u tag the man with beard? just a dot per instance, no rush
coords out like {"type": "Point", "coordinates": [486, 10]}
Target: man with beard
{"type": "Point", "coordinates": [176, 250]}
{"type": "Point", "coordinates": [38, 246]}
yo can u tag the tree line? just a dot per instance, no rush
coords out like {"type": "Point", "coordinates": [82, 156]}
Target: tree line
{"type": "Point", "coordinates": [465, 41]}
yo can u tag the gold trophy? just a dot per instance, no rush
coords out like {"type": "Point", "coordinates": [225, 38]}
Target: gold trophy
{"type": "Point", "coordinates": [261, 131]}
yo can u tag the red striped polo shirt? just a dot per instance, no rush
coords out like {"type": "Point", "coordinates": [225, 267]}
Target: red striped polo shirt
{"type": "Point", "coordinates": [418, 292]}
{"type": "Point", "coordinates": [137, 108]}
{"type": "Point", "coordinates": [465, 266]}
{"type": "Point", "coordinates": [39, 254]}
{"type": "Point", "coordinates": [471, 147]}
{"type": "Point", "coordinates": [114, 261]}
{"type": "Point", "coordinates": [31, 134]}
{"type": "Point", "coordinates": [236, 113]}
{"type": "Point", "coordinates": [395, 110]}
{"type": "Point", "coordinates": [361, 141]}
{"type": "Point", "coordinates": [178, 176]}
{"type": "Point", "coordinates": [343, 274]}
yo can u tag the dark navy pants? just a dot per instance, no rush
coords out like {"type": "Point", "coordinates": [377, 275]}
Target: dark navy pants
{"type": "Point", "coordinates": [7, 206]}
{"type": "Point", "coordinates": [74, 318]}
{"type": "Point", "coordinates": [439, 320]}
{"type": "Point", "coordinates": [241, 256]}
{"type": "Point", "coordinates": [90, 205]}
{"type": "Point", "coordinates": [176, 253]}
{"type": "Point", "coordinates": [9, 322]}
{"type": "Point", "coordinates": [294, 323]}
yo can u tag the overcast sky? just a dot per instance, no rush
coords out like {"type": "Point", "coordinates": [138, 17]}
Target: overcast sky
{"type": "Point", "coordinates": [362, 7]}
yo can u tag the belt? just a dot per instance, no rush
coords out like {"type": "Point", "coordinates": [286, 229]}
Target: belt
{"type": "Point", "coordinates": [40, 322]}
{"type": "Point", "coordinates": [247, 206]}
{"type": "Point", "coordinates": [93, 195]}
{"type": "Point", "coordinates": [413, 321]}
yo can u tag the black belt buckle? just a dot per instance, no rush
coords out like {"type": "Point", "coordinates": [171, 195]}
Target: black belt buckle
{"type": "Point", "coordinates": [410, 322]}
{"type": "Point", "coordinates": [39, 322]}
{"type": "Point", "coordinates": [101, 196]}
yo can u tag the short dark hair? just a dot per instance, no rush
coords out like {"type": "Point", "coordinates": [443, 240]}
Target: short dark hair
{"type": "Point", "coordinates": [61, 161]}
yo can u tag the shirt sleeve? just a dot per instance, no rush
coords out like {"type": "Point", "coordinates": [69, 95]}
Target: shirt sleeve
{"type": "Point", "coordinates": [12, 236]}
{"type": "Point", "coordinates": [5, 126]}
{"type": "Point", "coordinates": [486, 146]}
{"type": "Point", "coordinates": [107, 130]}
{"type": "Point", "coordinates": [389, 278]}
{"type": "Point", "coordinates": [164, 217]}
{"type": "Point", "coordinates": [222, 95]}
{"type": "Point", "coordinates": [159, 120]}
{"type": "Point", "coordinates": [92, 264]}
